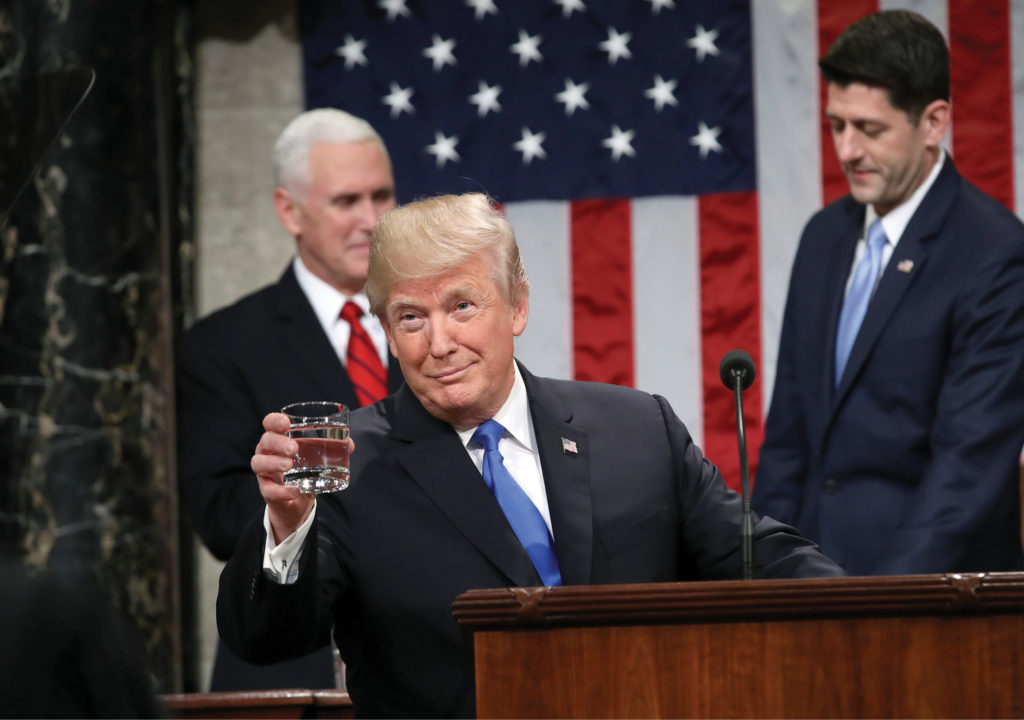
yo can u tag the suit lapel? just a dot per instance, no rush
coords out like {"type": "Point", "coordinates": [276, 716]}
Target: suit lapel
{"type": "Point", "coordinates": [566, 478]}
{"type": "Point", "coordinates": [437, 461]}
{"type": "Point", "coordinates": [307, 344]}
{"type": "Point", "coordinates": [904, 266]}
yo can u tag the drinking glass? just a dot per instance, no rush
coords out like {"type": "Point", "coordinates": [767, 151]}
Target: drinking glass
{"type": "Point", "coordinates": [321, 431]}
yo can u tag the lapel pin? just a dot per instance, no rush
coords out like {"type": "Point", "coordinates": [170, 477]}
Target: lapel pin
{"type": "Point", "coordinates": [905, 266]}
{"type": "Point", "coordinates": [569, 446]}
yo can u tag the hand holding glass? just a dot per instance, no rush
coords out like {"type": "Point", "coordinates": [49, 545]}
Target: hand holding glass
{"type": "Point", "coordinates": [321, 431]}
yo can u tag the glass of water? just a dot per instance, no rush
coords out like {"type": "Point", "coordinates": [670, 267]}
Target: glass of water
{"type": "Point", "coordinates": [321, 431]}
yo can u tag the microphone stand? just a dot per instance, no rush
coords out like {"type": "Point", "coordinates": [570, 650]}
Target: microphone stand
{"type": "Point", "coordinates": [747, 527]}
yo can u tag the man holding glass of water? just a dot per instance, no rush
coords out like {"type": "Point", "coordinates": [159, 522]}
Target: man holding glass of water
{"type": "Point", "coordinates": [476, 474]}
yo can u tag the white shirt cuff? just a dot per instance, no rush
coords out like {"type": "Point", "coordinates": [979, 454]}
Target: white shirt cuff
{"type": "Point", "coordinates": [281, 561]}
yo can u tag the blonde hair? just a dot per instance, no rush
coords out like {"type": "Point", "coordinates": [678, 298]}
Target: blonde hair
{"type": "Point", "coordinates": [428, 238]}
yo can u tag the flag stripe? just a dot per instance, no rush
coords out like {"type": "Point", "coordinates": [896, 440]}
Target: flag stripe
{"type": "Point", "coordinates": [666, 305]}
{"type": "Point", "coordinates": [602, 291]}
{"type": "Point", "coordinates": [1016, 59]}
{"type": "Point", "coordinates": [730, 299]}
{"type": "Point", "coordinates": [788, 176]}
{"type": "Point", "coordinates": [542, 233]}
{"type": "Point", "coordinates": [980, 59]}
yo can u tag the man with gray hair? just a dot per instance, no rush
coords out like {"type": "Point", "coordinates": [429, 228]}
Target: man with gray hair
{"type": "Point", "coordinates": [333, 180]}
{"type": "Point", "coordinates": [475, 474]}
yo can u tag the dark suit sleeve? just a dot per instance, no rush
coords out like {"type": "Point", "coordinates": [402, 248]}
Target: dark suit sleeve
{"type": "Point", "coordinates": [711, 516]}
{"type": "Point", "coordinates": [263, 621]}
{"type": "Point", "coordinates": [781, 474]}
{"type": "Point", "coordinates": [976, 439]}
{"type": "Point", "coordinates": [218, 428]}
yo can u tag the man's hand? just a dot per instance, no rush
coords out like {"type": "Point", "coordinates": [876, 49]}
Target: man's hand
{"type": "Point", "coordinates": [287, 507]}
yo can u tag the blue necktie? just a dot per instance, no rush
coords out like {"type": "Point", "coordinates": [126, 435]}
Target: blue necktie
{"type": "Point", "coordinates": [859, 295]}
{"type": "Point", "coordinates": [524, 517]}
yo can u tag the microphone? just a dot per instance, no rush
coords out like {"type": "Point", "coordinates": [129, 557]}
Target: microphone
{"type": "Point", "coordinates": [737, 372]}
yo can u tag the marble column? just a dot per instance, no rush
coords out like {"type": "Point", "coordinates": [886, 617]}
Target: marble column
{"type": "Point", "coordinates": [90, 302]}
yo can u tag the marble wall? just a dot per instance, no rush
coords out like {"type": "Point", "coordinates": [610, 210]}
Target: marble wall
{"type": "Point", "coordinates": [102, 266]}
{"type": "Point", "coordinates": [88, 275]}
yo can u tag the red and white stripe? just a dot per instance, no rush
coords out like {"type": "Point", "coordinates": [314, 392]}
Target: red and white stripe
{"type": "Point", "coordinates": [651, 293]}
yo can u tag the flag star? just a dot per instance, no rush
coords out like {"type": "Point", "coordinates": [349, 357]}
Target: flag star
{"type": "Point", "coordinates": [617, 45]}
{"type": "Point", "coordinates": [440, 52]}
{"type": "Point", "coordinates": [620, 142]}
{"type": "Point", "coordinates": [352, 51]}
{"type": "Point", "coordinates": [530, 145]}
{"type": "Point", "coordinates": [527, 48]}
{"type": "Point", "coordinates": [573, 96]}
{"type": "Point", "coordinates": [662, 93]}
{"type": "Point", "coordinates": [569, 5]}
{"type": "Point", "coordinates": [443, 148]}
{"type": "Point", "coordinates": [398, 100]}
{"type": "Point", "coordinates": [394, 8]}
{"type": "Point", "coordinates": [482, 7]}
{"type": "Point", "coordinates": [704, 42]}
{"type": "Point", "coordinates": [706, 139]}
{"type": "Point", "coordinates": [486, 98]}
{"type": "Point", "coordinates": [657, 5]}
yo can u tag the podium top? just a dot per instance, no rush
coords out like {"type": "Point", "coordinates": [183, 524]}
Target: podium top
{"type": "Point", "coordinates": [741, 600]}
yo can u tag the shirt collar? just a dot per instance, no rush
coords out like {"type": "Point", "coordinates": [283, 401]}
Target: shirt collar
{"type": "Point", "coordinates": [897, 219]}
{"type": "Point", "coordinates": [327, 301]}
{"type": "Point", "coordinates": [514, 415]}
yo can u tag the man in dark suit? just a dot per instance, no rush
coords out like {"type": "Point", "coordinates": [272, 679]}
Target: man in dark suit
{"type": "Point", "coordinates": [476, 474]}
{"type": "Point", "coordinates": [898, 411]}
{"type": "Point", "coordinates": [333, 181]}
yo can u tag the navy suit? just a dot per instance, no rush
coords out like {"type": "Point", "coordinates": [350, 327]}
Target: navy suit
{"type": "Point", "coordinates": [911, 464]}
{"type": "Point", "coordinates": [230, 377]}
{"type": "Point", "coordinates": [386, 558]}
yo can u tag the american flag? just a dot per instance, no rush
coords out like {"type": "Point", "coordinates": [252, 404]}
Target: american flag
{"type": "Point", "coordinates": [657, 159]}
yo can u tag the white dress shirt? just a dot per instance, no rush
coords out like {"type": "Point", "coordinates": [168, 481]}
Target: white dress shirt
{"type": "Point", "coordinates": [327, 303]}
{"type": "Point", "coordinates": [894, 222]}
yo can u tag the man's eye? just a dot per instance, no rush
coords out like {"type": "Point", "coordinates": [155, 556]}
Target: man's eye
{"type": "Point", "coordinates": [464, 305]}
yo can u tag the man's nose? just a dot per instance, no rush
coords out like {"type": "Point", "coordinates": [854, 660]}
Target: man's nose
{"type": "Point", "coordinates": [442, 341]}
{"type": "Point", "coordinates": [848, 145]}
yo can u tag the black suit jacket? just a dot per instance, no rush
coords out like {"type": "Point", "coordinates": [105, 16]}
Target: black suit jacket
{"type": "Point", "coordinates": [386, 558]}
{"type": "Point", "coordinates": [911, 464]}
{"type": "Point", "coordinates": [229, 379]}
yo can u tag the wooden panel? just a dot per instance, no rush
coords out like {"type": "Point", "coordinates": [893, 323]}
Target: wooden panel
{"type": "Point", "coordinates": [916, 646]}
{"type": "Point", "coordinates": [854, 667]}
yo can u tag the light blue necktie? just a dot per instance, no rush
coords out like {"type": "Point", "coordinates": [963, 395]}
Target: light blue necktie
{"type": "Point", "coordinates": [858, 296]}
{"type": "Point", "coordinates": [524, 517]}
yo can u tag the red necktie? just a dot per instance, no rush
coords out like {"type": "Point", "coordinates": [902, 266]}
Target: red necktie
{"type": "Point", "coordinates": [364, 367]}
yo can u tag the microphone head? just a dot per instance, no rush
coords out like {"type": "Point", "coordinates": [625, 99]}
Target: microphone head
{"type": "Point", "coordinates": [737, 363]}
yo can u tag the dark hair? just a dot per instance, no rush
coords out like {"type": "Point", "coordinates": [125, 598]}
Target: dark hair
{"type": "Point", "coordinates": [897, 50]}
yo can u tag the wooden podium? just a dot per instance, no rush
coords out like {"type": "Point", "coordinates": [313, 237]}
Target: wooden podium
{"type": "Point", "coordinates": [937, 646]}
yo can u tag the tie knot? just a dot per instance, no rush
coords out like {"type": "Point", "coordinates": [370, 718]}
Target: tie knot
{"type": "Point", "coordinates": [351, 312]}
{"type": "Point", "coordinates": [488, 435]}
{"type": "Point", "coordinates": [876, 235]}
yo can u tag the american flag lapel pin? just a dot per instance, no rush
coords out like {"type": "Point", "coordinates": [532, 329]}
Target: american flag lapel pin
{"type": "Point", "coordinates": [905, 266]}
{"type": "Point", "coordinates": [569, 446]}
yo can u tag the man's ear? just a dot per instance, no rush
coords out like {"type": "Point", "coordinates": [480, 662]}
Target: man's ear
{"type": "Point", "coordinates": [288, 210]}
{"type": "Point", "coordinates": [935, 122]}
{"type": "Point", "coordinates": [520, 313]}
